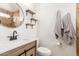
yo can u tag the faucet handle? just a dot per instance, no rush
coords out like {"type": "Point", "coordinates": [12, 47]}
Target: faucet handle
{"type": "Point", "coordinates": [10, 37]}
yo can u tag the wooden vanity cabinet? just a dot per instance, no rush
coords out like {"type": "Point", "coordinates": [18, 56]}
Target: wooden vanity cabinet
{"type": "Point", "coordinates": [24, 50]}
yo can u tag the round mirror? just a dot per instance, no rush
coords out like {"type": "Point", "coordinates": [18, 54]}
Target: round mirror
{"type": "Point", "coordinates": [11, 15]}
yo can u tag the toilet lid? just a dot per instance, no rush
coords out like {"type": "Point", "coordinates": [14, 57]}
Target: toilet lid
{"type": "Point", "coordinates": [44, 50]}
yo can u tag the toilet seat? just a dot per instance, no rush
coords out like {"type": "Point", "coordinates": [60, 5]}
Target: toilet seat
{"type": "Point", "coordinates": [43, 51]}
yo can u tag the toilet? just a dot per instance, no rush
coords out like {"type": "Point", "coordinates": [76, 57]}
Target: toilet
{"type": "Point", "coordinates": [43, 51]}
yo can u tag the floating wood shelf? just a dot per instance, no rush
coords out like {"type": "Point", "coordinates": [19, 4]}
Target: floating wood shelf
{"type": "Point", "coordinates": [29, 24]}
{"type": "Point", "coordinates": [33, 19]}
{"type": "Point", "coordinates": [31, 12]}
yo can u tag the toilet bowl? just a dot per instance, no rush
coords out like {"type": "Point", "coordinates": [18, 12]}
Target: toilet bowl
{"type": "Point", "coordinates": [43, 51]}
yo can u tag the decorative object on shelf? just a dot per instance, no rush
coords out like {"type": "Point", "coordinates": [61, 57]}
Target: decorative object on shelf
{"type": "Point", "coordinates": [29, 24]}
{"type": "Point", "coordinates": [33, 19]}
{"type": "Point", "coordinates": [29, 11]}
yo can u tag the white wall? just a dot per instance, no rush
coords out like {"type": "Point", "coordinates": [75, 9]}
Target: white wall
{"type": "Point", "coordinates": [21, 30]}
{"type": "Point", "coordinates": [46, 14]}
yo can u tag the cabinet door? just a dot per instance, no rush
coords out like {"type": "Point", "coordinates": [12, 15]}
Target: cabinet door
{"type": "Point", "coordinates": [31, 52]}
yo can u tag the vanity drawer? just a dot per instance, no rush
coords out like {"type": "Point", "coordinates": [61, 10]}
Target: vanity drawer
{"type": "Point", "coordinates": [30, 45]}
{"type": "Point", "coordinates": [19, 52]}
{"type": "Point", "coordinates": [31, 52]}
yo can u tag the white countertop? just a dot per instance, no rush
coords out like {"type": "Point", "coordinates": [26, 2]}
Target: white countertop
{"type": "Point", "coordinates": [6, 46]}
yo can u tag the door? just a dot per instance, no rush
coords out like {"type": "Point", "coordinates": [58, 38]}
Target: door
{"type": "Point", "coordinates": [77, 29]}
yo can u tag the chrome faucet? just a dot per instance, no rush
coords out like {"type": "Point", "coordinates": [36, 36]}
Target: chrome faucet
{"type": "Point", "coordinates": [14, 36]}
